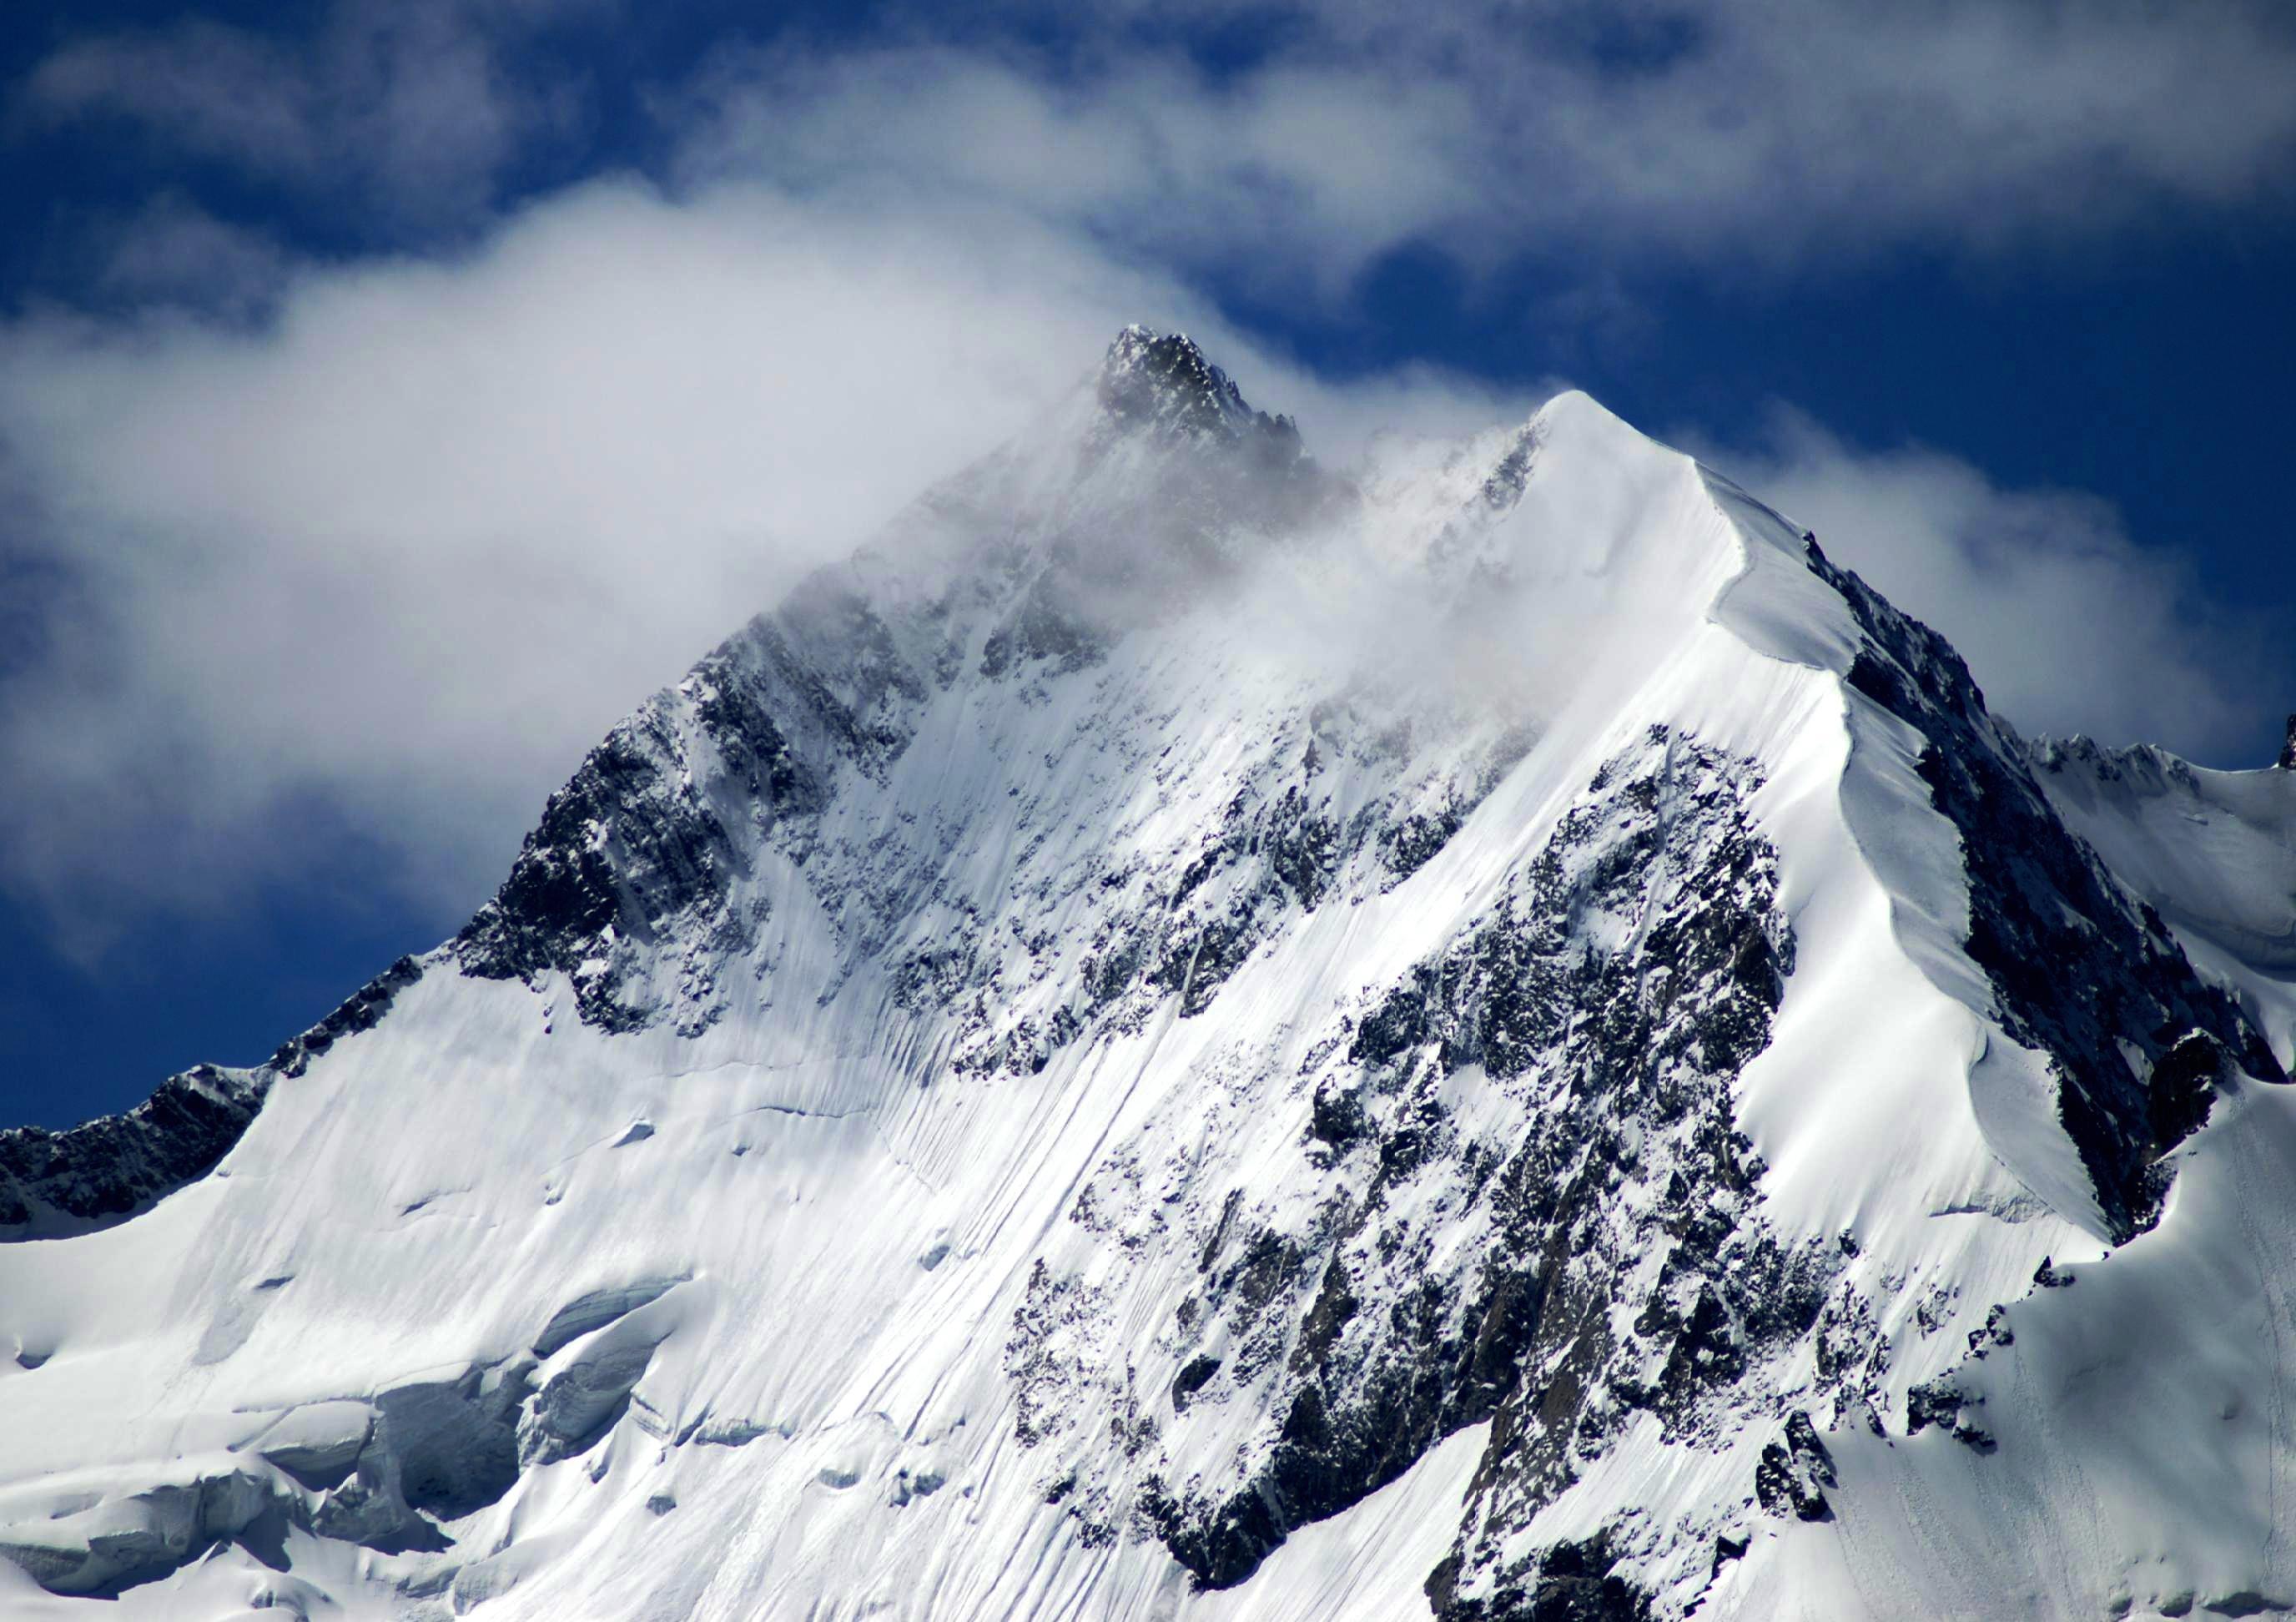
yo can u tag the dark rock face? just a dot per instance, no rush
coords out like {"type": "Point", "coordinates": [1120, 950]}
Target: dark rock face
{"type": "Point", "coordinates": [1507, 480]}
{"type": "Point", "coordinates": [54, 1184]}
{"type": "Point", "coordinates": [2287, 761]}
{"type": "Point", "coordinates": [1641, 1164]}
{"type": "Point", "coordinates": [1610, 996]}
{"type": "Point", "coordinates": [1162, 384]}
{"type": "Point", "coordinates": [1943, 1403]}
{"type": "Point", "coordinates": [1575, 1582]}
{"type": "Point", "coordinates": [2079, 966]}
{"type": "Point", "coordinates": [112, 1168]}
{"type": "Point", "coordinates": [362, 1011]}
{"type": "Point", "coordinates": [1794, 1474]}
{"type": "Point", "coordinates": [1279, 851]}
{"type": "Point", "coordinates": [616, 856]}
{"type": "Point", "coordinates": [1050, 626]}
{"type": "Point", "coordinates": [637, 856]}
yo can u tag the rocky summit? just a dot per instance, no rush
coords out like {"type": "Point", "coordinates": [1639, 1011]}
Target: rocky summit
{"type": "Point", "coordinates": [1194, 1033]}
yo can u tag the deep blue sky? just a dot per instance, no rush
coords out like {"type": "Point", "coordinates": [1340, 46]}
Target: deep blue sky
{"type": "Point", "coordinates": [2146, 364]}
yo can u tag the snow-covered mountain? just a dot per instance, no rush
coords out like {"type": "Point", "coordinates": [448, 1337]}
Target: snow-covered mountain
{"type": "Point", "coordinates": [1187, 1037]}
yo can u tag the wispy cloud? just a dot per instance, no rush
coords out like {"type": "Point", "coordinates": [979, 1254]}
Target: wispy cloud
{"type": "Point", "coordinates": [2067, 623]}
{"type": "Point", "coordinates": [412, 109]}
{"type": "Point", "coordinates": [372, 549]}
{"type": "Point", "coordinates": [1766, 136]}
{"type": "Point", "coordinates": [402, 551]}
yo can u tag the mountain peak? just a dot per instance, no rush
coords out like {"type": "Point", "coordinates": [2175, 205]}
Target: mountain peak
{"type": "Point", "coordinates": [1164, 382]}
{"type": "Point", "coordinates": [2288, 749]}
{"type": "Point", "coordinates": [1178, 1025]}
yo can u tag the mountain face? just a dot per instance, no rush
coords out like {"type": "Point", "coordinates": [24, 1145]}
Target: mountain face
{"type": "Point", "coordinates": [1189, 1037]}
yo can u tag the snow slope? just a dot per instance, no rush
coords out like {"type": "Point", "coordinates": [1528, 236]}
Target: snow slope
{"type": "Point", "coordinates": [2215, 852]}
{"type": "Point", "coordinates": [1185, 1037]}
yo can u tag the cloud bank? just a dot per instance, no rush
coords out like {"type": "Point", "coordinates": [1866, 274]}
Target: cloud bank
{"type": "Point", "coordinates": [411, 108]}
{"type": "Point", "coordinates": [371, 549]}
{"type": "Point", "coordinates": [1760, 137]}
{"type": "Point", "coordinates": [411, 545]}
{"type": "Point", "coordinates": [387, 561]}
{"type": "Point", "coordinates": [1752, 134]}
{"type": "Point", "coordinates": [2067, 623]}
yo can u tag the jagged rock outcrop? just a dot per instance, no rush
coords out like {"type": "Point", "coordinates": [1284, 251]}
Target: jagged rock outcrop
{"type": "Point", "coordinates": [115, 1166]}
{"type": "Point", "coordinates": [1506, 1042]}
{"type": "Point", "coordinates": [118, 1165]}
{"type": "Point", "coordinates": [1605, 1004]}
{"type": "Point", "coordinates": [2079, 967]}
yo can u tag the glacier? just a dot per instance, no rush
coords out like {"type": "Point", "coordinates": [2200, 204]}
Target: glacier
{"type": "Point", "coordinates": [1188, 1035]}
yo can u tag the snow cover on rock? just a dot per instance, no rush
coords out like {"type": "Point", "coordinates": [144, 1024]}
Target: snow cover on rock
{"type": "Point", "coordinates": [2214, 852]}
{"type": "Point", "coordinates": [1189, 1037]}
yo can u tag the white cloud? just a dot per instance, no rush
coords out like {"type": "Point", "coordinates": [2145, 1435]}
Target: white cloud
{"type": "Point", "coordinates": [1757, 135]}
{"type": "Point", "coordinates": [2066, 622]}
{"type": "Point", "coordinates": [373, 553]}
{"type": "Point", "coordinates": [382, 565]}
{"type": "Point", "coordinates": [172, 251]}
{"type": "Point", "coordinates": [405, 106]}
{"type": "Point", "coordinates": [1765, 135]}
{"type": "Point", "coordinates": [413, 546]}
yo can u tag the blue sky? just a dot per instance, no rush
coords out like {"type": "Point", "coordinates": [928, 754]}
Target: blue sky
{"type": "Point", "coordinates": [390, 395]}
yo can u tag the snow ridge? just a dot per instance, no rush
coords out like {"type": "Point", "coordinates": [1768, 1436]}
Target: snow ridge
{"type": "Point", "coordinates": [1184, 1037]}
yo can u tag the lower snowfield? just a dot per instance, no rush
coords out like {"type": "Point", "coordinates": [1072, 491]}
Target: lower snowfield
{"type": "Point", "coordinates": [986, 1225]}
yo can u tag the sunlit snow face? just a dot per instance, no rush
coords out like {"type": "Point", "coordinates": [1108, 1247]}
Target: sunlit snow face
{"type": "Point", "coordinates": [1495, 575]}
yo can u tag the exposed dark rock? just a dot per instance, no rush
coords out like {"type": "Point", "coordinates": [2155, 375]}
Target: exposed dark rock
{"type": "Point", "coordinates": [116, 1166]}
{"type": "Point", "coordinates": [1791, 1474]}
{"type": "Point", "coordinates": [2287, 761]}
{"type": "Point", "coordinates": [1943, 1404]}
{"type": "Point", "coordinates": [1278, 852]}
{"type": "Point", "coordinates": [1160, 388]}
{"type": "Point", "coordinates": [1337, 1117]}
{"type": "Point", "coordinates": [2079, 968]}
{"type": "Point", "coordinates": [1191, 1380]}
{"type": "Point", "coordinates": [1628, 973]}
{"type": "Point", "coordinates": [1505, 486]}
{"type": "Point", "coordinates": [618, 854]}
{"type": "Point", "coordinates": [1994, 1332]}
{"type": "Point", "coordinates": [54, 1184]}
{"type": "Point", "coordinates": [1050, 626]}
{"type": "Point", "coordinates": [363, 1010]}
{"type": "Point", "coordinates": [1414, 841]}
{"type": "Point", "coordinates": [635, 858]}
{"type": "Point", "coordinates": [1933, 1404]}
{"type": "Point", "coordinates": [1162, 384]}
{"type": "Point", "coordinates": [1575, 1582]}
